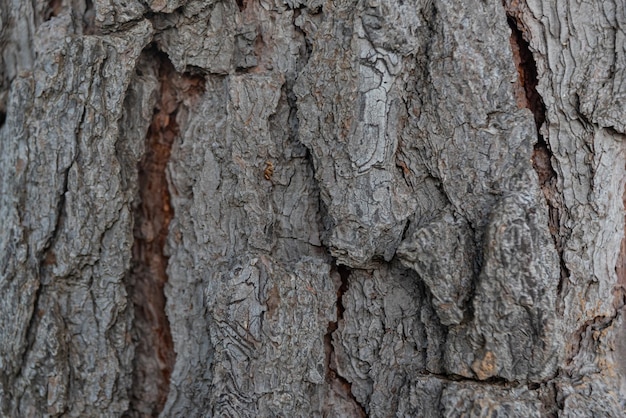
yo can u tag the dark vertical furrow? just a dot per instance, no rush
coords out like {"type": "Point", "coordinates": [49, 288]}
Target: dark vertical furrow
{"type": "Point", "coordinates": [154, 355]}
{"type": "Point", "coordinates": [527, 96]}
{"type": "Point", "coordinates": [154, 352]}
{"type": "Point", "coordinates": [337, 382]}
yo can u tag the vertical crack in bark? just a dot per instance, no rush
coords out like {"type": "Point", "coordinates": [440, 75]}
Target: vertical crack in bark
{"type": "Point", "coordinates": [242, 4]}
{"type": "Point", "coordinates": [528, 97]}
{"type": "Point", "coordinates": [3, 113]}
{"type": "Point", "coordinates": [89, 18]}
{"type": "Point", "coordinates": [620, 267]}
{"type": "Point", "coordinates": [53, 9]}
{"type": "Point", "coordinates": [154, 354]}
{"type": "Point", "coordinates": [338, 383]}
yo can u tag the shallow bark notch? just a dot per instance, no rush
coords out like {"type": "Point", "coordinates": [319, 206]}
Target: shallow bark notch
{"type": "Point", "coordinates": [154, 354]}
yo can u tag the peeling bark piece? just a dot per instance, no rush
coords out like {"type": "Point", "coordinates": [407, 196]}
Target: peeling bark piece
{"type": "Point", "coordinates": [600, 62]}
{"type": "Point", "coordinates": [442, 253]}
{"type": "Point", "coordinates": [475, 135]}
{"type": "Point", "coordinates": [262, 341]}
{"type": "Point", "coordinates": [589, 398]}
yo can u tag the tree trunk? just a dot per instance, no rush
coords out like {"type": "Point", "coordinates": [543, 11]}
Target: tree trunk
{"type": "Point", "coordinates": [299, 208]}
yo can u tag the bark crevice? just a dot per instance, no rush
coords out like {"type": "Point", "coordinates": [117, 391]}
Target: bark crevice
{"type": "Point", "coordinates": [335, 380]}
{"type": "Point", "coordinates": [154, 355]}
{"type": "Point", "coordinates": [527, 96]}
{"type": "Point", "coordinates": [53, 9]}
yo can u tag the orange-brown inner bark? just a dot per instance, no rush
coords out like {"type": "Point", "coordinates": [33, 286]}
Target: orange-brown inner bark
{"type": "Point", "coordinates": [154, 353]}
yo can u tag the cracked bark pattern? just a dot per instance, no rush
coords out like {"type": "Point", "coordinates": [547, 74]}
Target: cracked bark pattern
{"type": "Point", "coordinates": [335, 208]}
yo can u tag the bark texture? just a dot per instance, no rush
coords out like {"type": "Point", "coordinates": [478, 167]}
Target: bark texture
{"type": "Point", "coordinates": [257, 208]}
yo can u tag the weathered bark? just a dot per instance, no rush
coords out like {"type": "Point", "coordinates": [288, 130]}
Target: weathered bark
{"type": "Point", "coordinates": [312, 208]}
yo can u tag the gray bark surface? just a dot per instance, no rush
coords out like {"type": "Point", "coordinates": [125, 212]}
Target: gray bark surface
{"type": "Point", "coordinates": [312, 208]}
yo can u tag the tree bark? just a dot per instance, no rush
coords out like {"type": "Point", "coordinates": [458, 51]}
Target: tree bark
{"type": "Point", "coordinates": [336, 208]}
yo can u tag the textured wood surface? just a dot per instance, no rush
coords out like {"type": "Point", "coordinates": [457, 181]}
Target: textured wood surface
{"type": "Point", "coordinates": [255, 208]}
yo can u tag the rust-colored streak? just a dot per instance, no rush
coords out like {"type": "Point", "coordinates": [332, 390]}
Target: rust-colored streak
{"type": "Point", "coordinates": [154, 353]}
{"type": "Point", "coordinates": [526, 91]}
{"type": "Point", "coordinates": [527, 96]}
{"type": "Point", "coordinates": [518, 86]}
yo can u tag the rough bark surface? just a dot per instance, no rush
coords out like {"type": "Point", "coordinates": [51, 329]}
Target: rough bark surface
{"type": "Point", "coordinates": [312, 208]}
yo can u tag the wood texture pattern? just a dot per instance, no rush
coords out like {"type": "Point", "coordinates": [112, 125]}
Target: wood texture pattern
{"type": "Point", "coordinates": [338, 208]}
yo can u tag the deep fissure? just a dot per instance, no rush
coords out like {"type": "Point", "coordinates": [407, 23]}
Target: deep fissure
{"type": "Point", "coordinates": [154, 353]}
{"type": "Point", "coordinates": [332, 375]}
{"type": "Point", "coordinates": [242, 4]}
{"type": "Point", "coordinates": [541, 158]}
